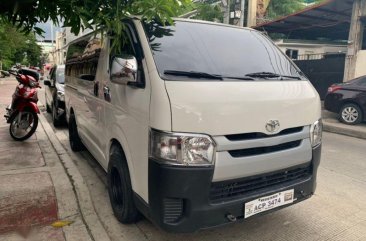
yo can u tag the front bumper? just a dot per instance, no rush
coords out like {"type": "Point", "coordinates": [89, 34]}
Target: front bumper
{"type": "Point", "coordinates": [179, 199]}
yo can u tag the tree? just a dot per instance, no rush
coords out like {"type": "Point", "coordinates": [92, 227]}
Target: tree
{"type": "Point", "coordinates": [278, 8]}
{"type": "Point", "coordinates": [94, 14]}
{"type": "Point", "coordinates": [209, 12]}
{"type": "Point", "coordinates": [17, 47]}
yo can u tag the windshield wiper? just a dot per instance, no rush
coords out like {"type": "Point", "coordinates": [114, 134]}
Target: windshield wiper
{"type": "Point", "coordinates": [193, 74]}
{"type": "Point", "coordinates": [271, 75]}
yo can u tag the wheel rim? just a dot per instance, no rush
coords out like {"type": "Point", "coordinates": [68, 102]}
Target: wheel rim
{"type": "Point", "coordinates": [25, 125]}
{"type": "Point", "coordinates": [116, 187]}
{"type": "Point", "coordinates": [350, 114]}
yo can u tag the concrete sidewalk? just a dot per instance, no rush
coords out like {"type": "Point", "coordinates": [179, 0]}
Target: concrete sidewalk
{"type": "Point", "coordinates": [332, 124]}
{"type": "Point", "coordinates": [35, 188]}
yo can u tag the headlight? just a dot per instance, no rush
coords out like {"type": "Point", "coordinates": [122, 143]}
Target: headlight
{"type": "Point", "coordinates": [60, 96]}
{"type": "Point", "coordinates": [182, 149]}
{"type": "Point", "coordinates": [316, 130]}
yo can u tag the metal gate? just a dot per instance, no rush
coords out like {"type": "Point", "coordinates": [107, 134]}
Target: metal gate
{"type": "Point", "coordinates": [322, 70]}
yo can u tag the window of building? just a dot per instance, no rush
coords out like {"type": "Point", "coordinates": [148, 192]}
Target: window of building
{"type": "Point", "coordinates": [292, 53]}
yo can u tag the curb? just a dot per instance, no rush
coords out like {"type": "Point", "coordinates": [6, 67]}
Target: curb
{"type": "Point", "coordinates": [332, 126]}
{"type": "Point", "coordinates": [81, 191]}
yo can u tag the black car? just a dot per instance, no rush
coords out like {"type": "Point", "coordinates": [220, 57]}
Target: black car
{"type": "Point", "coordinates": [55, 94]}
{"type": "Point", "coordinates": [348, 100]}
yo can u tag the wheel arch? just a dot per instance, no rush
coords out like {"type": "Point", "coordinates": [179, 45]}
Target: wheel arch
{"type": "Point", "coordinates": [125, 153]}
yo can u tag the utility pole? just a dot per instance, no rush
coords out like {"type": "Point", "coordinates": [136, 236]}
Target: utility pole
{"type": "Point", "coordinates": [355, 39]}
{"type": "Point", "coordinates": [252, 13]}
{"type": "Point", "coordinates": [242, 12]}
{"type": "Point", "coordinates": [227, 16]}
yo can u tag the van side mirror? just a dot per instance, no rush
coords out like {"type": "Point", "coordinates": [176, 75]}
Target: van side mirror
{"type": "Point", "coordinates": [124, 69]}
{"type": "Point", "coordinates": [47, 82]}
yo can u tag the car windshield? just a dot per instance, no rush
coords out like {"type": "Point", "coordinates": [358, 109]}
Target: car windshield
{"type": "Point", "coordinates": [60, 75]}
{"type": "Point", "coordinates": [221, 51]}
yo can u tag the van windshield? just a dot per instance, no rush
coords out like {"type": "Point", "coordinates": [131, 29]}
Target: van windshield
{"type": "Point", "coordinates": [199, 50]}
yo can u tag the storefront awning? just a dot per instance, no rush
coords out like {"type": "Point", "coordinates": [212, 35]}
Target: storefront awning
{"type": "Point", "coordinates": [330, 20]}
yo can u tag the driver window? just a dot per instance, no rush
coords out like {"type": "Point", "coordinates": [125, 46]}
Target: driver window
{"type": "Point", "coordinates": [126, 46]}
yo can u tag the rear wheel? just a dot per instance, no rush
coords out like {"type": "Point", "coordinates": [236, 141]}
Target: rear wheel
{"type": "Point", "coordinates": [55, 116]}
{"type": "Point", "coordinates": [23, 125]}
{"type": "Point", "coordinates": [48, 109]}
{"type": "Point", "coordinates": [350, 114]}
{"type": "Point", "coordinates": [74, 139]}
{"type": "Point", "coordinates": [120, 188]}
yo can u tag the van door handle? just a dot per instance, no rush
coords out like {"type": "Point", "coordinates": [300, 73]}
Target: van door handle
{"type": "Point", "coordinates": [107, 93]}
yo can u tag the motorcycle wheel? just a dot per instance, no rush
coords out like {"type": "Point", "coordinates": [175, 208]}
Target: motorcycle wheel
{"type": "Point", "coordinates": [25, 128]}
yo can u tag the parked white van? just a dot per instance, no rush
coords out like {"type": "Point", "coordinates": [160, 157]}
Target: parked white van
{"type": "Point", "coordinates": [198, 124]}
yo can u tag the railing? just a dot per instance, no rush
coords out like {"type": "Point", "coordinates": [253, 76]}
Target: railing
{"type": "Point", "coordinates": [319, 56]}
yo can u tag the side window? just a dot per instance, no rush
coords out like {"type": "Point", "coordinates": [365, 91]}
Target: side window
{"type": "Point", "coordinates": [82, 58]}
{"type": "Point", "coordinates": [53, 76]}
{"type": "Point", "coordinates": [74, 53]}
{"type": "Point", "coordinates": [129, 46]}
{"type": "Point", "coordinates": [125, 48]}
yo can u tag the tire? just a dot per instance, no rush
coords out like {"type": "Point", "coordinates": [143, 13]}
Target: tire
{"type": "Point", "coordinates": [74, 139]}
{"type": "Point", "coordinates": [120, 188]}
{"type": "Point", "coordinates": [48, 109]}
{"type": "Point", "coordinates": [55, 119]}
{"type": "Point", "coordinates": [350, 114]}
{"type": "Point", "coordinates": [13, 121]}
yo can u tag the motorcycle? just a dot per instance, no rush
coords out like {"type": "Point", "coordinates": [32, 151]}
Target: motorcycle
{"type": "Point", "coordinates": [22, 112]}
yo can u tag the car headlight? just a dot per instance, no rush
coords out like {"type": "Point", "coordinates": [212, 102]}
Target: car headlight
{"type": "Point", "coordinates": [182, 149]}
{"type": "Point", "coordinates": [316, 130]}
{"type": "Point", "coordinates": [60, 96]}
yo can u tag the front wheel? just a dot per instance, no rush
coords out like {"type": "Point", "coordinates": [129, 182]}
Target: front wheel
{"type": "Point", "coordinates": [55, 116]}
{"type": "Point", "coordinates": [23, 125]}
{"type": "Point", "coordinates": [120, 188]}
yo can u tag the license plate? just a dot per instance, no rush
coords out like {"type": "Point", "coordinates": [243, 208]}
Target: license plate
{"type": "Point", "coordinates": [269, 202]}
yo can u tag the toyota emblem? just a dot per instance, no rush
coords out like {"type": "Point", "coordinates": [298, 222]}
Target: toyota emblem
{"type": "Point", "coordinates": [273, 126]}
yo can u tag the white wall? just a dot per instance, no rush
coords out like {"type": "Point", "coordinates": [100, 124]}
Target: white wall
{"type": "Point", "coordinates": [360, 64]}
{"type": "Point", "coordinates": [309, 48]}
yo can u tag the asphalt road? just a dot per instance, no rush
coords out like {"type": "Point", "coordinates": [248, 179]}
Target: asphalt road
{"type": "Point", "coordinates": [336, 212]}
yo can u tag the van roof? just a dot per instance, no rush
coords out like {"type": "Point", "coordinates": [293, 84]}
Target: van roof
{"type": "Point", "coordinates": [176, 19]}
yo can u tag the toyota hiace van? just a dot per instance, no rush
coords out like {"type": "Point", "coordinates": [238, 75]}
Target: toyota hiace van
{"type": "Point", "coordinates": [197, 124]}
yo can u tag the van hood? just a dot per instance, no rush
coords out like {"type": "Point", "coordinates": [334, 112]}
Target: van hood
{"type": "Point", "coordinates": [224, 108]}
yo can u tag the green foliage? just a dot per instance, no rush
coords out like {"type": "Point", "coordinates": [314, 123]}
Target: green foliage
{"type": "Point", "coordinates": [209, 12]}
{"type": "Point", "coordinates": [80, 14]}
{"type": "Point", "coordinates": [278, 8]}
{"type": "Point", "coordinates": [17, 47]}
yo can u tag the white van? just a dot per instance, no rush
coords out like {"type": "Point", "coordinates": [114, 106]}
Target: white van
{"type": "Point", "coordinates": [198, 124]}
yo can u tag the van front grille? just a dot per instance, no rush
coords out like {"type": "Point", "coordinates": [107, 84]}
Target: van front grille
{"type": "Point", "coordinates": [229, 190]}
{"type": "Point", "coordinates": [264, 149]}
{"type": "Point", "coordinates": [258, 135]}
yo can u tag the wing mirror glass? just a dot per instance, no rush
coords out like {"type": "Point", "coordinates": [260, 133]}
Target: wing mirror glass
{"type": "Point", "coordinates": [47, 82]}
{"type": "Point", "coordinates": [124, 69]}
